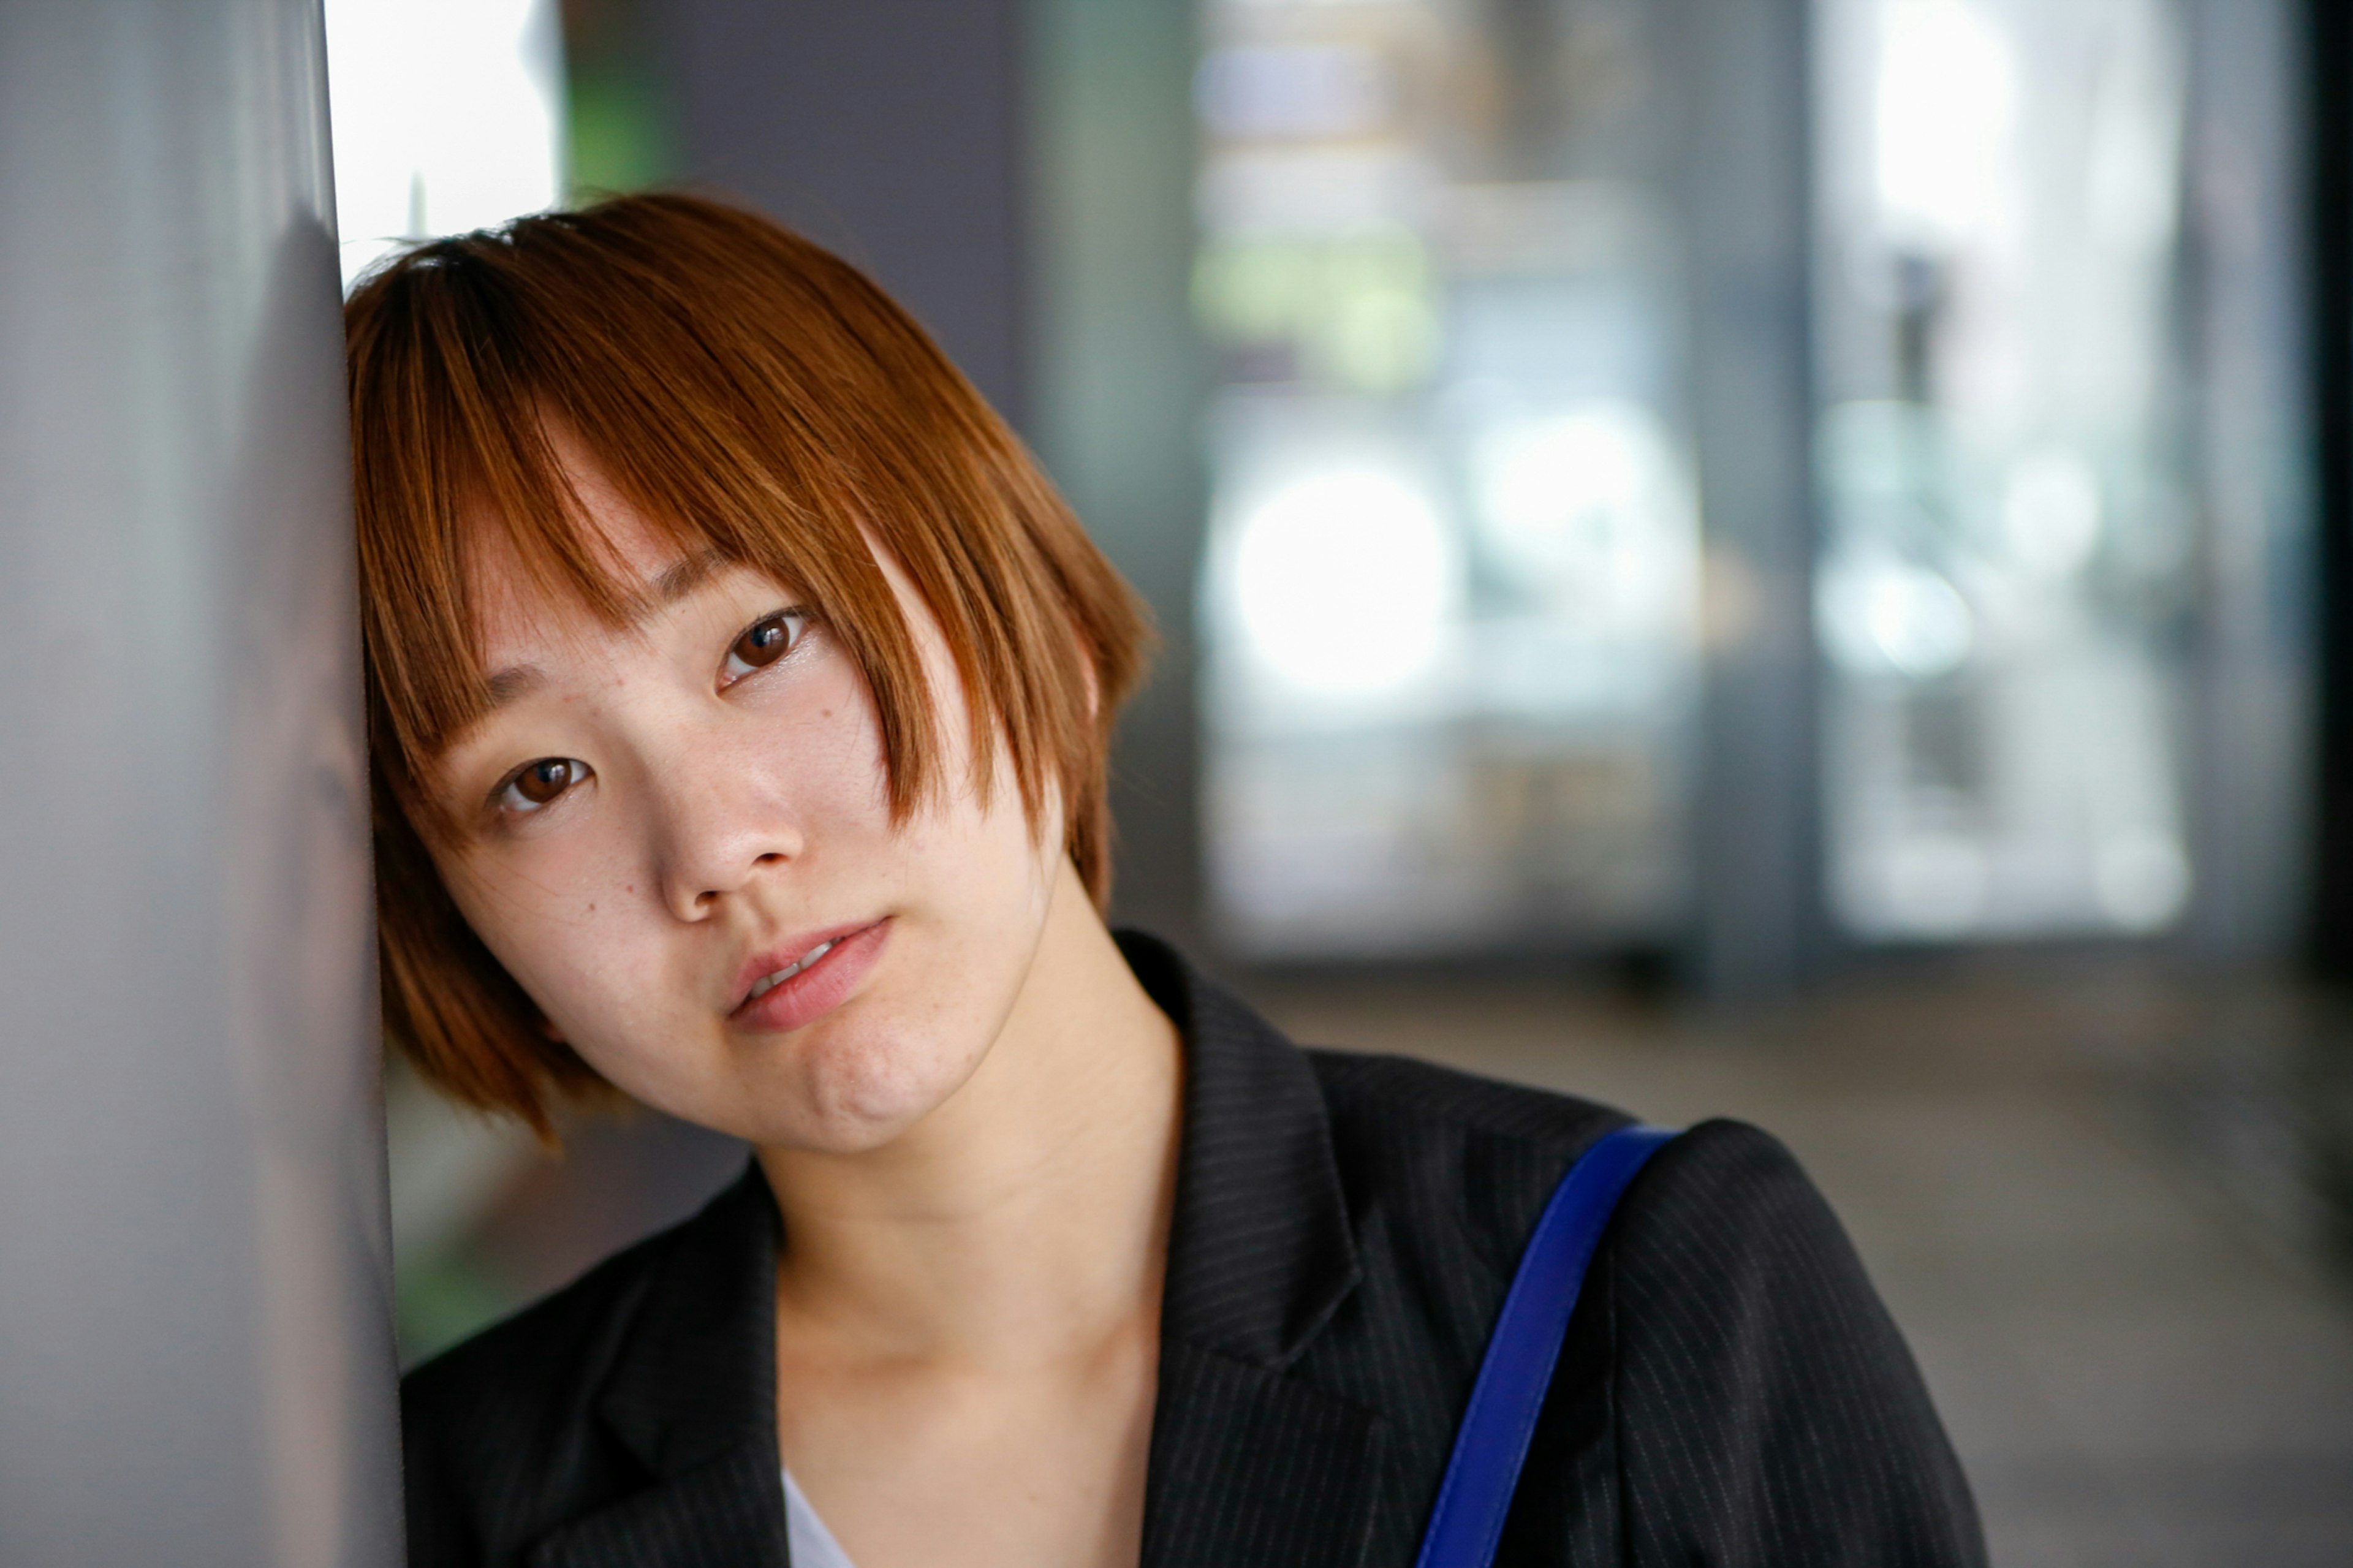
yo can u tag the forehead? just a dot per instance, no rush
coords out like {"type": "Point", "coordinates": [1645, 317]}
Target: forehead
{"type": "Point", "coordinates": [518, 604]}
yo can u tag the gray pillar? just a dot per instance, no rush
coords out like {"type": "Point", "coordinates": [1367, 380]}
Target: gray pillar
{"type": "Point", "coordinates": [1745, 189]}
{"type": "Point", "coordinates": [196, 1356]}
{"type": "Point", "coordinates": [2247, 336]}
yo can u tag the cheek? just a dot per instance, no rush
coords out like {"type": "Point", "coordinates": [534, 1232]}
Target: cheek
{"type": "Point", "coordinates": [989, 863]}
{"type": "Point", "coordinates": [825, 758]}
{"type": "Point", "coordinates": [571, 925]}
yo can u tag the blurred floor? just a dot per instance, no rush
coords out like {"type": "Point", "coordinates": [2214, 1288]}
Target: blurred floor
{"type": "Point", "coordinates": [2137, 1349]}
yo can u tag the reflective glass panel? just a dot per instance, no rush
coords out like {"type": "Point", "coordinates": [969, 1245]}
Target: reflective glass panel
{"type": "Point", "coordinates": [2005, 572]}
{"type": "Point", "coordinates": [1450, 588]}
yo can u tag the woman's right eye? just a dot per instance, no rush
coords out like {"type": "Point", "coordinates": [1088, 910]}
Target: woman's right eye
{"type": "Point", "coordinates": [762, 643]}
{"type": "Point", "coordinates": [536, 783]}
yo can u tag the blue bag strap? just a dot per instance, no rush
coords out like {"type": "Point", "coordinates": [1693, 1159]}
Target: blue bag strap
{"type": "Point", "coordinates": [1484, 1469]}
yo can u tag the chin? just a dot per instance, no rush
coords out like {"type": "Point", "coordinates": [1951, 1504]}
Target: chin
{"type": "Point", "coordinates": [854, 1090]}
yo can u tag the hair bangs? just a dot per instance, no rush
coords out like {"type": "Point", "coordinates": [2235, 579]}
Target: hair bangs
{"type": "Point", "coordinates": [483, 386]}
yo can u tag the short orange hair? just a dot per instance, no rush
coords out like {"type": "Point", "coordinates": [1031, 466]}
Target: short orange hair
{"type": "Point", "coordinates": [755, 398]}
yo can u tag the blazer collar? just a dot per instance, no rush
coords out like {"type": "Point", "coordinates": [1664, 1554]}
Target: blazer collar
{"type": "Point", "coordinates": [1260, 1249]}
{"type": "Point", "coordinates": [692, 1396]}
{"type": "Point", "coordinates": [697, 1375]}
{"type": "Point", "coordinates": [1251, 1464]}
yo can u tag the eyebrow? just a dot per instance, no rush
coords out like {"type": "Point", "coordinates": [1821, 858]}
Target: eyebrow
{"type": "Point", "coordinates": [674, 583]}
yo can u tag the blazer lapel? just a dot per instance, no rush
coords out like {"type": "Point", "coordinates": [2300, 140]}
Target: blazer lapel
{"type": "Point", "coordinates": [726, 1513]}
{"type": "Point", "coordinates": [1251, 1463]}
{"type": "Point", "coordinates": [1253, 1469]}
{"type": "Point", "coordinates": [692, 1398]}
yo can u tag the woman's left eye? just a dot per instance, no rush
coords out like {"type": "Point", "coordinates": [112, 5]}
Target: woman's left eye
{"type": "Point", "coordinates": [763, 642]}
{"type": "Point", "coordinates": [538, 784]}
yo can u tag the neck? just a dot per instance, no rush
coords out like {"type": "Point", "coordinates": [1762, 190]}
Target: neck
{"type": "Point", "coordinates": [1027, 1216]}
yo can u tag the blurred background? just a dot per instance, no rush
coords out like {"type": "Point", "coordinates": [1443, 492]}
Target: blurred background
{"type": "Point", "coordinates": [1773, 558]}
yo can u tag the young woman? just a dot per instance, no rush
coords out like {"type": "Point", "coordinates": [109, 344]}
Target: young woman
{"type": "Point", "coordinates": [741, 697]}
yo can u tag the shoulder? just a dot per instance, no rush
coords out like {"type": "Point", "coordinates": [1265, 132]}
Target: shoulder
{"type": "Point", "coordinates": [1767, 1407]}
{"type": "Point", "coordinates": [579, 1401]}
{"type": "Point", "coordinates": [1724, 1242]}
{"type": "Point", "coordinates": [1731, 1382]}
{"type": "Point", "coordinates": [536, 1366]}
{"type": "Point", "coordinates": [498, 1433]}
{"type": "Point", "coordinates": [1722, 1218]}
{"type": "Point", "coordinates": [1463, 1141]}
{"type": "Point", "coordinates": [1425, 1149]}
{"type": "Point", "coordinates": [1402, 1095]}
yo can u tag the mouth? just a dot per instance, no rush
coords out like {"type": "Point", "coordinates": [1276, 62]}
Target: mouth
{"type": "Point", "coordinates": [767, 982]}
{"type": "Point", "coordinates": [809, 975]}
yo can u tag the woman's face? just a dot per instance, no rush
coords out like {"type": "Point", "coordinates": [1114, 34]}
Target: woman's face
{"type": "Point", "coordinates": [677, 838]}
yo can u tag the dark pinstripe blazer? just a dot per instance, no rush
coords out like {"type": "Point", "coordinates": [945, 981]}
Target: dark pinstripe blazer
{"type": "Point", "coordinates": [1731, 1391]}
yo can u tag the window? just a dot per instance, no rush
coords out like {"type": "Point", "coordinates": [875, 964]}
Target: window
{"type": "Point", "coordinates": [1450, 584]}
{"type": "Point", "coordinates": [2005, 578]}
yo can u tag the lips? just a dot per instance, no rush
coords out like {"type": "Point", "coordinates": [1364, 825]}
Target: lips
{"type": "Point", "coordinates": [769, 983]}
{"type": "Point", "coordinates": [801, 980]}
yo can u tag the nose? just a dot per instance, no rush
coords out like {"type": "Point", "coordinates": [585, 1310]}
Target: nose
{"type": "Point", "coordinates": [722, 828]}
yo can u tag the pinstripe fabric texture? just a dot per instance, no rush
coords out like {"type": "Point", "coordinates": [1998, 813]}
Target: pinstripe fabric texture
{"type": "Point", "coordinates": [1731, 1392]}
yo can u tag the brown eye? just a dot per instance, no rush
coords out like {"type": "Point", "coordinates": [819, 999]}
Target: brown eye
{"type": "Point", "coordinates": [764, 642]}
{"type": "Point", "coordinates": [541, 781]}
